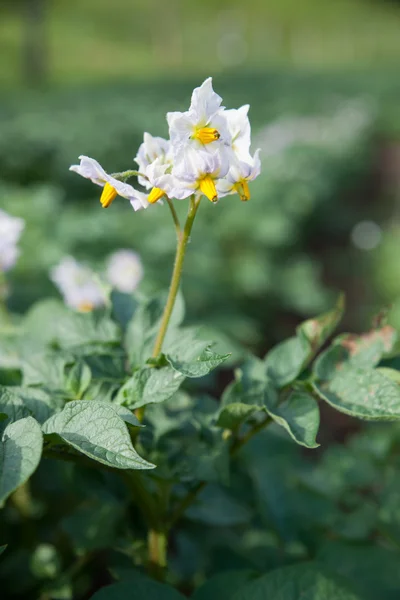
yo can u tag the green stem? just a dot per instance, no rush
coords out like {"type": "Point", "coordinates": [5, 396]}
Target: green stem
{"type": "Point", "coordinates": [175, 218]}
{"type": "Point", "coordinates": [183, 239]}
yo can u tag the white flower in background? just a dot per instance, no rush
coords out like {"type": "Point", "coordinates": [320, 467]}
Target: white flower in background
{"type": "Point", "coordinates": [124, 270]}
{"type": "Point", "coordinates": [151, 149]}
{"type": "Point", "coordinates": [79, 285]}
{"type": "Point", "coordinates": [238, 177]}
{"type": "Point", "coordinates": [91, 169]}
{"type": "Point", "coordinates": [240, 131]}
{"type": "Point", "coordinates": [10, 232]}
{"type": "Point", "coordinates": [203, 124]}
{"type": "Point", "coordinates": [197, 172]}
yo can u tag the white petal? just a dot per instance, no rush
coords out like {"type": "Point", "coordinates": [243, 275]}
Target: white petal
{"type": "Point", "coordinates": [240, 130]}
{"type": "Point", "coordinates": [90, 169]}
{"type": "Point", "coordinates": [151, 149]}
{"type": "Point", "coordinates": [205, 102]}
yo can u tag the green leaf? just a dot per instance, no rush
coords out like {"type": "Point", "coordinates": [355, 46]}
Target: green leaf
{"type": "Point", "coordinates": [299, 415]}
{"type": "Point", "coordinates": [223, 585]}
{"type": "Point", "coordinates": [128, 416]}
{"type": "Point", "coordinates": [357, 351]}
{"type": "Point", "coordinates": [39, 403]}
{"type": "Point", "coordinates": [12, 405]}
{"type": "Point", "coordinates": [316, 331]}
{"type": "Point", "coordinates": [77, 379]}
{"type": "Point", "coordinates": [286, 360]}
{"type": "Point", "coordinates": [45, 369]}
{"type": "Point", "coordinates": [143, 327]}
{"type": "Point", "coordinates": [53, 324]}
{"type": "Point", "coordinates": [216, 506]}
{"type": "Point", "coordinates": [193, 362]}
{"type": "Point", "coordinates": [149, 386]}
{"type": "Point", "coordinates": [20, 453]}
{"type": "Point", "coordinates": [2, 548]}
{"type": "Point", "coordinates": [306, 581]}
{"type": "Point", "coordinates": [139, 587]}
{"type": "Point", "coordinates": [362, 393]}
{"type": "Point", "coordinates": [93, 525]}
{"type": "Point", "coordinates": [97, 430]}
{"type": "Point", "coordinates": [390, 374]}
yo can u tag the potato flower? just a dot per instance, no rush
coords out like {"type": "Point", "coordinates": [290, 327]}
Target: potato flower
{"type": "Point", "coordinates": [202, 125]}
{"type": "Point", "coordinates": [91, 169]}
{"type": "Point", "coordinates": [198, 172]}
{"type": "Point", "coordinates": [124, 270]}
{"type": "Point", "coordinates": [208, 153]}
{"type": "Point", "coordinates": [152, 148]}
{"type": "Point", "coordinates": [79, 285]}
{"type": "Point", "coordinates": [238, 177]}
{"type": "Point", "coordinates": [10, 232]}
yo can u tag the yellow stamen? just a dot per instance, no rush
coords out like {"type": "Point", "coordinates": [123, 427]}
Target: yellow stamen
{"type": "Point", "coordinates": [85, 307]}
{"type": "Point", "coordinates": [206, 135]}
{"type": "Point", "coordinates": [109, 194]}
{"type": "Point", "coordinates": [155, 195]}
{"type": "Point", "coordinates": [207, 186]}
{"type": "Point", "coordinates": [242, 188]}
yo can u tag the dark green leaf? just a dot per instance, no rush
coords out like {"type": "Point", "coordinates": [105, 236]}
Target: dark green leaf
{"type": "Point", "coordinates": [316, 331]}
{"type": "Point", "coordinates": [12, 405]}
{"type": "Point", "coordinates": [223, 585]}
{"type": "Point", "coordinates": [306, 581]}
{"type": "Point", "coordinates": [216, 506]}
{"type": "Point", "coordinates": [356, 351]}
{"type": "Point", "coordinates": [192, 362]}
{"type": "Point", "coordinates": [149, 386]}
{"type": "Point", "coordinates": [77, 379]}
{"type": "Point", "coordinates": [97, 430]}
{"type": "Point", "coordinates": [286, 361]}
{"type": "Point", "coordinates": [299, 415]}
{"type": "Point", "coordinates": [20, 452]}
{"type": "Point", "coordinates": [139, 587]}
{"type": "Point", "coordinates": [362, 393]}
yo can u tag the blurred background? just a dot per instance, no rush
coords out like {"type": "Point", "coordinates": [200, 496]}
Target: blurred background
{"type": "Point", "coordinates": [322, 78]}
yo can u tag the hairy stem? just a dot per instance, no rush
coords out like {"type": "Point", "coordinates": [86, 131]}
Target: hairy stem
{"type": "Point", "coordinates": [175, 218]}
{"type": "Point", "coordinates": [183, 239]}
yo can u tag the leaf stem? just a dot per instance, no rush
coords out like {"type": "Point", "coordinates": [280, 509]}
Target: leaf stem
{"type": "Point", "coordinates": [183, 239]}
{"type": "Point", "coordinates": [157, 546]}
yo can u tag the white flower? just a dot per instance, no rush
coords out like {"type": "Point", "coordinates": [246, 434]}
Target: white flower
{"type": "Point", "coordinates": [240, 131]}
{"type": "Point", "coordinates": [91, 169]}
{"type": "Point", "coordinates": [10, 232]}
{"type": "Point", "coordinates": [124, 270]}
{"type": "Point", "coordinates": [151, 149]}
{"type": "Point", "coordinates": [240, 173]}
{"type": "Point", "coordinates": [78, 285]}
{"type": "Point", "coordinates": [197, 171]}
{"type": "Point", "coordinates": [203, 124]}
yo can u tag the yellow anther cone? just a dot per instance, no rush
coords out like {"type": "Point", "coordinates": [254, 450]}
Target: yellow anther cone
{"type": "Point", "coordinates": [206, 135]}
{"type": "Point", "coordinates": [155, 195]}
{"type": "Point", "coordinates": [207, 186]}
{"type": "Point", "coordinates": [109, 194]}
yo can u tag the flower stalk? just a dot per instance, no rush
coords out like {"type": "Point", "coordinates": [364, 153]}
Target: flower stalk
{"type": "Point", "coordinates": [183, 239]}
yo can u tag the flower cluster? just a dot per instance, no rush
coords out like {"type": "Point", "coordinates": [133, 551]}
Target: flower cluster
{"type": "Point", "coordinates": [10, 232]}
{"type": "Point", "coordinates": [84, 291]}
{"type": "Point", "coordinates": [208, 152]}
